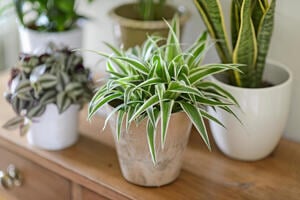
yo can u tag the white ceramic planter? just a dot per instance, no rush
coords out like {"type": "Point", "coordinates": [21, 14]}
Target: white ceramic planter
{"type": "Point", "coordinates": [263, 112]}
{"type": "Point", "coordinates": [54, 131]}
{"type": "Point", "coordinates": [135, 159]}
{"type": "Point", "coordinates": [36, 42]}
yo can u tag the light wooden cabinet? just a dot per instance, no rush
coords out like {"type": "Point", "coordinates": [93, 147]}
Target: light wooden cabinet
{"type": "Point", "coordinates": [37, 182]}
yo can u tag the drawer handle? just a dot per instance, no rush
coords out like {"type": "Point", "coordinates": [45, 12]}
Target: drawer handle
{"type": "Point", "coordinates": [12, 177]}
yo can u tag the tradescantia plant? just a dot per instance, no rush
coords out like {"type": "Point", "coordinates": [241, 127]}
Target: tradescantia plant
{"type": "Point", "coordinates": [251, 30]}
{"type": "Point", "coordinates": [152, 82]}
{"type": "Point", "coordinates": [56, 77]}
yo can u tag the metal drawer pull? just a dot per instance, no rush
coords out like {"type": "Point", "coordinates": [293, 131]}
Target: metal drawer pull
{"type": "Point", "coordinates": [12, 177]}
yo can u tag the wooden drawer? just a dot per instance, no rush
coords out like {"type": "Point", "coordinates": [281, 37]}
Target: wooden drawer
{"type": "Point", "coordinates": [90, 195]}
{"type": "Point", "coordinates": [38, 182]}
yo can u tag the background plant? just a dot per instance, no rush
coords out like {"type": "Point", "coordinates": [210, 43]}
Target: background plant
{"type": "Point", "coordinates": [47, 15]}
{"type": "Point", "coordinates": [151, 9]}
{"type": "Point", "coordinates": [56, 77]}
{"type": "Point", "coordinates": [251, 30]}
{"type": "Point", "coordinates": [153, 81]}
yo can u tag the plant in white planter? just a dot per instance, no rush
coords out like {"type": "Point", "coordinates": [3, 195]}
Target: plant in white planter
{"type": "Point", "coordinates": [135, 21]}
{"type": "Point", "coordinates": [42, 22]}
{"type": "Point", "coordinates": [46, 92]}
{"type": "Point", "coordinates": [158, 91]}
{"type": "Point", "coordinates": [262, 89]}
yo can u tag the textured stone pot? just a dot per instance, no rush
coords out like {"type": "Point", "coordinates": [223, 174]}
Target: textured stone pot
{"type": "Point", "coordinates": [130, 31]}
{"type": "Point", "coordinates": [264, 113]}
{"type": "Point", "coordinates": [134, 155]}
{"type": "Point", "coordinates": [54, 131]}
{"type": "Point", "coordinates": [36, 42]}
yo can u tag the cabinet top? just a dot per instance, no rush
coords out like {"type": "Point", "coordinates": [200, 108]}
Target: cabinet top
{"type": "Point", "coordinates": [92, 163]}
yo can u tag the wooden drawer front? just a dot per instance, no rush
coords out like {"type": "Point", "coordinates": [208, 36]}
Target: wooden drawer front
{"type": "Point", "coordinates": [89, 195]}
{"type": "Point", "coordinates": [38, 182]}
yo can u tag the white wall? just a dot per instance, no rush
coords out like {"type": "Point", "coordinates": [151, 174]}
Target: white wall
{"type": "Point", "coordinates": [285, 48]}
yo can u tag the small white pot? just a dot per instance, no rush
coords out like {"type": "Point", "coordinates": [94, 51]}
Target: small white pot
{"type": "Point", "coordinates": [36, 42]}
{"type": "Point", "coordinates": [54, 131]}
{"type": "Point", "coordinates": [134, 155]}
{"type": "Point", "coordinates": [263, 112]}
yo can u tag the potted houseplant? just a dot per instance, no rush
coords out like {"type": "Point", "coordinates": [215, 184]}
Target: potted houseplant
{"type": "Point", "coordinates": [134, 21]}
{"type": "Point", "coordinates": [158, 91]}
{"type": "Point", "coordinates": [46, 92]}
{"type": "Point", "coordinates": [42, 22]}
{"type": "Point", "coordinates": [262, 88]}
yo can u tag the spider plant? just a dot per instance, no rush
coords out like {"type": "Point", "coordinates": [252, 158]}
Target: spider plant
{"type": "Point", "coordinates": [251, 30]}
{"type": "Point", "coordinates": [56, 77]}
{"type": "Point", "coordinates": [150, 9]}
{"type": "Point", "coordinates": [152, 82]}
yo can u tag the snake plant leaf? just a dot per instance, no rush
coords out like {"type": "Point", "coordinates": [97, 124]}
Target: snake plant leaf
{"type": "Point", "coordinates": [257, 13]}
{"type": "Point", "coordinates": [245, 51]}
{"type": "Point", "coordinates": [166, 111]}
{"type": "Point", "coordinates": [195, 116]}
{"type": "Point", "coordinates": [235, 20]}
{"type": "Point", "coordinates": [63, 102]}
{"type": "Point", "coordinates": [14, 123]}
{"type": "Point", "coordinates": [211, 13]}
{"type": "Point", "coordinates": [264, 35]}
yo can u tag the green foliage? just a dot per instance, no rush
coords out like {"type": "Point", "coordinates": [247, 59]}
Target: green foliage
{"type": "Point", "coordinates": [150, 9]}
{"type": "Point", "coordinates": [251, 30]}
{"type": "Point", "coordinates": [152, 82]}
{"type": "Point", "coordinates": [56, 77]}
{"type": "Point", "coordinates": [47, 15]}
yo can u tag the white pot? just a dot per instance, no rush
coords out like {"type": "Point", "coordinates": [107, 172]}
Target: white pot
{"type": "Point", "coordinates": [36, 42]}
{"type": "Point", "coordinates": [263, 112]}
{"type": "Point", "coordinates": [134, 155]}
{"type": "Point", "coordinates": [54, 131]}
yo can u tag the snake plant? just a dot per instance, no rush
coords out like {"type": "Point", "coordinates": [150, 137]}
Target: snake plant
{"type": "Point", "coordinates": [151, 82]}
{"type": "Point", "coordinates": [56, 77]}
{"type": "Point", "coordinates": [251, 30]}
